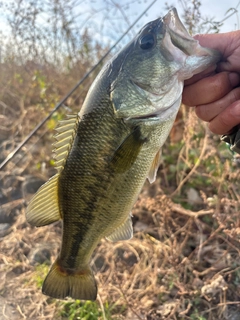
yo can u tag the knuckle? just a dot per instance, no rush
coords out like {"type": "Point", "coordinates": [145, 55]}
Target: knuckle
{"type": "Point", "coordinates": [234, 95]}
{"type": "Point", "coordinates": [201, 112]}
{"type": "Point", "coordinates": [198, 111]}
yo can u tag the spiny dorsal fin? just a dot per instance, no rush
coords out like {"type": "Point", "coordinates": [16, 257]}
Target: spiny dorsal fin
{"type": "Point", "coordinates": [66, 131]}
{"type": "Point", "coordinates": [154, 167]}
{"type": "Point", "coordinates": [124, 232]}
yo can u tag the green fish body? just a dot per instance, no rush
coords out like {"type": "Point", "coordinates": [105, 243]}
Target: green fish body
{"type": "Point", "coordinates": [106, 152]}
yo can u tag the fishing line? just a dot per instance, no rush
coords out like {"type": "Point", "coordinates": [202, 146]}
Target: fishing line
{"type": "Point", "coordinates": [18, 148]}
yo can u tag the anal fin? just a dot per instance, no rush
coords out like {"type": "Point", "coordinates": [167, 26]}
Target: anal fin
{"type": "Point", "coordinates": [43, 209]}
{"type": "Point", "coordinates": [124, 232]}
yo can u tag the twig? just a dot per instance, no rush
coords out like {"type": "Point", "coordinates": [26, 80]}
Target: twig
{"type": "Point", "coordinates": [211, 236]}
{"type": "Point", "coordinates": [102, 307]}
{"type": "Point", "coordinates": [230, 302]}
{"type": "Point", "coordinates": [20, 311]}
{"type": "Point", "coordinates": [195, 214]}
{"type": "Point", "coordinates": [126, 300]}
{"type": "Point", "coordinates": [3, 312]}
{"type": "Point", "coordinates": [194, 167]}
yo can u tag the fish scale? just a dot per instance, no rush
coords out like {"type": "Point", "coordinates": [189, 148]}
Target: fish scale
{"type": "Point", "coordinates": [87, 193]}
{"type": "Point", "coordinates": [105, 153]}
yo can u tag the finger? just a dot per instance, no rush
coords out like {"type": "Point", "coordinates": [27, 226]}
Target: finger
{"type": "Point", "coordinates": [232, 64]}
{"type": "Point", "coordinates": [223, 42]}
{"type": "Point", "coordinates": [210, 89]}
{"type": "Point", "coordinates": [226, 120]}
{"type": "Point", "coordinates": [229, 46]}
{"type": "Point", "coordinates": [206, 73]}
{"type": "Point", "coordinates": [209, 111]}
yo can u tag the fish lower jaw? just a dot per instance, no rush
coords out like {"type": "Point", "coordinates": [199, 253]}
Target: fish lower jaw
{"type": "Point", "coordinates": [162, 114]}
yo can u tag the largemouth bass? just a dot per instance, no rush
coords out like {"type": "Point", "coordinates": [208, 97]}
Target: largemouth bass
{"type": "Point", "coordinates": [106, 152]}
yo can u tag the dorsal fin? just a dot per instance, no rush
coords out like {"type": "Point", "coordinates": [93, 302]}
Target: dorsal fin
{"type": "Point", "coordinates": [66, 131]}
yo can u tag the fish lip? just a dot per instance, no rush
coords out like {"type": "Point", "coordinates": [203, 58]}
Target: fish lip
{"type": "Point", "coordinates": [175, 25]}
{"type": "Point", "coordinates": [181, 38]}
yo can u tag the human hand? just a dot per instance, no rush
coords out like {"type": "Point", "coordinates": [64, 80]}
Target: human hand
{"type": "Point", "coordinates": [215, 92]}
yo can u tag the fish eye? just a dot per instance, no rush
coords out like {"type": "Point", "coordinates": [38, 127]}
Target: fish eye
{"type": "Point", "coordinates": [147, 41]}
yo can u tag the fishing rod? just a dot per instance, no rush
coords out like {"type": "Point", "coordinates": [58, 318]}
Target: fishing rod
{"type": "Point", "coordinates": [59, 104]}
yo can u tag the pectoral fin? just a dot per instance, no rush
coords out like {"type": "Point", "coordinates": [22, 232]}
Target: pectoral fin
{"type": "Point", "coordinates": [43, 208]}
{"type": "Point", "coordinates": [124, 232]}
{"type": "Point", "coordinates": [126, 154]}
{"type": "Point", "coordinates": [154, 167]}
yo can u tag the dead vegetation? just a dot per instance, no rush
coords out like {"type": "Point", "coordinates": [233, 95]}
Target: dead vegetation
{"type": "Point", "coordinates": [184, 259]}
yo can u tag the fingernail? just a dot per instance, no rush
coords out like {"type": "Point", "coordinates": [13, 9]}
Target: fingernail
{"type": "Point", "coordinates": [234, 79]}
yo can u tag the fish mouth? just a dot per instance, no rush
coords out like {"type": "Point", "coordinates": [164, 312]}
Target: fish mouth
{"type": "Point", "coordinates": [181, 38]}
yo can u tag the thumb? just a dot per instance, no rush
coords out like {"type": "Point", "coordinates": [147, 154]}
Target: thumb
{"type": "Point", "coordinates": [218, 41]}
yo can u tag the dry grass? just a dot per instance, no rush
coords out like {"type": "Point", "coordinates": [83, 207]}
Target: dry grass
{"type": "Point", "coordinates": [183, 262]}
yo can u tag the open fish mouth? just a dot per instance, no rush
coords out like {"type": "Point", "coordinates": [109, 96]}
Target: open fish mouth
{"type": "Point", "coordinates": [181, 38]}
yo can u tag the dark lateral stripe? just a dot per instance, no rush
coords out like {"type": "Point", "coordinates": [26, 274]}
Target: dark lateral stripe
{"type": "Point", "coordinates": [80, 231]}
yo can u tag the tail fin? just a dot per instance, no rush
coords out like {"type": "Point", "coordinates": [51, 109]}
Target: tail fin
{"type": "Point", "coordinates": [61, 283]}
